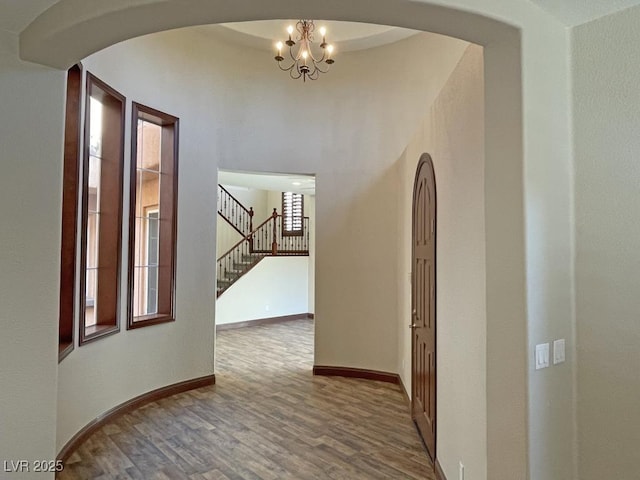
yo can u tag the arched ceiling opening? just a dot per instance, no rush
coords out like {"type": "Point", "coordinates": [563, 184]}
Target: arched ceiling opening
{"type": "Point", "coordinates": [73, 29]}
{"type": "Point", "coordinates": [70, 30]}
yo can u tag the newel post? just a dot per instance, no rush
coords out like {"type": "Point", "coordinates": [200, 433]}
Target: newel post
{"type": "Point", "coordinates": [274, 239]}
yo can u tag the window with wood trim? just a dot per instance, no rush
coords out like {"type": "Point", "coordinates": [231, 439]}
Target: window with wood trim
{"type": "Point", "coordinates": [292, 213]}
{"type": "Point", "coordinates": [101, 211]}
{"type": "Point", "coordinates": [152, 223]}
{"type": "Point", "coordinates": [70, 189]}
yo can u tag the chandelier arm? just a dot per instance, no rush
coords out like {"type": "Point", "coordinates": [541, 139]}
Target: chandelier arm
{"type": "Point", "coordinates": [296, 57]}
{"type": "Point", "coordinates": [320, 69]}
{"type": "Point", "coordinates": [286, 69]}
{"type": "Point", "coordinates": [292, 75]}
{"type": "Point", "coordinates": [311, 55]}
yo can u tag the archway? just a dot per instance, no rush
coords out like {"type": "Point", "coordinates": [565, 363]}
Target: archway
{"type": "Point", "coordinates": [52, 39]}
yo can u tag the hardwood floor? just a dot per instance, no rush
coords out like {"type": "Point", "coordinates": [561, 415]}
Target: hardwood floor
{"type": "Point", "coordinates": [267, 418]}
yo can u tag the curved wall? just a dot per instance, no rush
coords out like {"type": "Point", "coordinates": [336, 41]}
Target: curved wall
{"type": "Point", "coordinates": [238, 111]}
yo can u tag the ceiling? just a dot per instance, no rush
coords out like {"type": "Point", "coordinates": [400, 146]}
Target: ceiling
{"type": "Point", "coordinates": [577, 12]}
{"type": "Point", "coordinates": [15, 15]}
{"type": "Point", "coordinates": [277, 182]}
{"type": "Point", "coordinates": [346, 36]}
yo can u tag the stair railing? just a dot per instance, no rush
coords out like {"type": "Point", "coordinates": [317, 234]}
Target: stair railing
{"type": "Point", "coordinates": [234, 212]}
{"type": "Point", "coordinates": [238, 260]}
{"type": "Point", "coordinates": [272, 240]}
{"type": "Point", "coordinates": [266, 239]}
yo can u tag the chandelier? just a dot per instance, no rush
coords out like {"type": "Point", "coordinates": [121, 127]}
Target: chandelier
{"type": "Point", "coordinates": [304, 63]}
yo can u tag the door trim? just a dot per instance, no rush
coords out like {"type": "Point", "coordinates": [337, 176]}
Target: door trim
{"type": "Point", "coordinates": [426, 161]}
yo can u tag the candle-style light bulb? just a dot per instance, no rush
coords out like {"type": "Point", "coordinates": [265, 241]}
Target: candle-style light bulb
{"type": "Point", "coordinates": [323, 32]}
{"type": "Point", "coordinates": [305, 54]}
{"type": "Point", "coordinates": [290, 42]}
{"type": "Point", "coordinates": [279, 57]}
{"type": "Point", "coordinates": [329, 60]}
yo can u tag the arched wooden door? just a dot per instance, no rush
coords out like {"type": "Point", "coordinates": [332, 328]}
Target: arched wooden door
{"type": "Point", "coordinates": [423, 302]}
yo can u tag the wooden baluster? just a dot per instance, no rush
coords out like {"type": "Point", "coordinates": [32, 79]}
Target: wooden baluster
{"type": "Point", "coordinates": [274, 241]}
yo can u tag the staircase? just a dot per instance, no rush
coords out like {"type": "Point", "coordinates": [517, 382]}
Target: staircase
{"type": "Point", "coordinates": [267, 239]}
{"type": "Point", "coordinates": [231, 271]}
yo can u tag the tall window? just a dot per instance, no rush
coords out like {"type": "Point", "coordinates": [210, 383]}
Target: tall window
{"type": "Point", "coordinates": [101, 210]}
{"type": "Point", "coordinates": [292, 213]}
{"type": "Point", "coordinates": [152, 227]}
{"type": "Point", "coordinates": [69, 211]}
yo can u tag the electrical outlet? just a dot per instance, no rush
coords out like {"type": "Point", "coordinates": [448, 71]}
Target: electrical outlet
{"type": "Point", "coordinates": [460, 471]}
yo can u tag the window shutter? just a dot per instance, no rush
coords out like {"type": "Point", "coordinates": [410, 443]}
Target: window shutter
{"type": "Point", "coordinates": [292, 212]}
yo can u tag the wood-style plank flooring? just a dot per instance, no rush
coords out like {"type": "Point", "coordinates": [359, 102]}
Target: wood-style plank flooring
{"type": "Point", "coordinates": [267, 418]}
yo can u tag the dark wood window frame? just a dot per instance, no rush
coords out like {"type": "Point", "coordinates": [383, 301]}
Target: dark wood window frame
{"type": "Point", "coordinates": [110, 240]}
{"type": "Point", "coordinates": [168, 208]}
{"type": "Point", "coordinates": [294, 232]}
{"type": "Point", "coordinates": [70, 189]}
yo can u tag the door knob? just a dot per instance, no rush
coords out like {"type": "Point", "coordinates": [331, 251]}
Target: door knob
{"type": "Point", "coordinates": [413, 325]}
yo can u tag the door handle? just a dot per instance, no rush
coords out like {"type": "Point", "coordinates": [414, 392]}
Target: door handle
{"type": "Point", "coordinates": [413, 326]}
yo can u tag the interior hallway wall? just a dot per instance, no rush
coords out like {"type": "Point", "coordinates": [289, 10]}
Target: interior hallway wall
{"type": "Point", "coordinates": [606, 102]}
{"type": "Point", "coordinates": [453, 134]}
{"type": "Point", "coordinates": [30, 209]}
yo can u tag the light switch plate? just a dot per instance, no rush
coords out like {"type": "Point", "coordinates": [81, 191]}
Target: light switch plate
{"type": "Point", "coordinates": [558, 351]}
{"type": "Point", "coordinates": [542, 356]}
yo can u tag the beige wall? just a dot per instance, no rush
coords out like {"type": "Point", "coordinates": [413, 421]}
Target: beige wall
{"type": "Point", "coordinates": [453, 134]}
{"type": "Point", "coordinates": [606, 103]}
{"type": "Point", "coordinates": [276, 287]}
{"type": "Point", "coordinates": [29, 255]}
